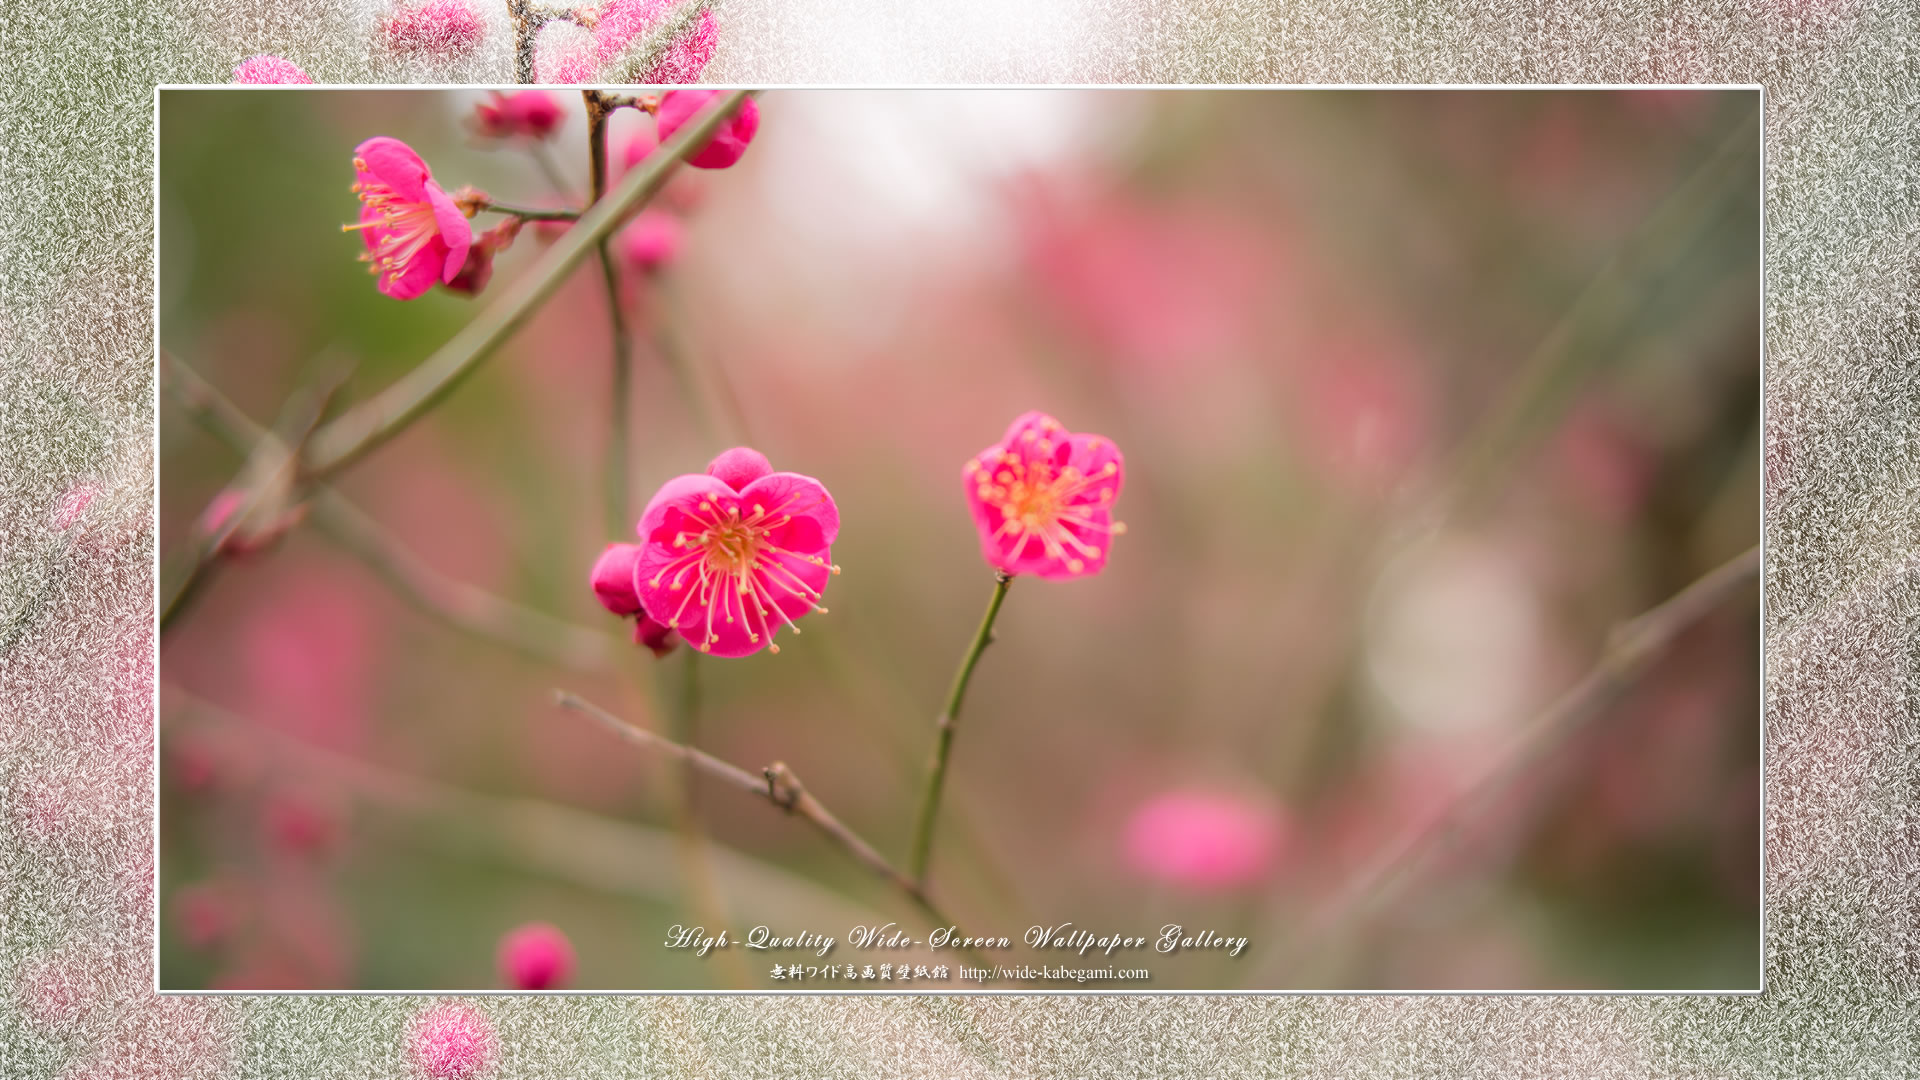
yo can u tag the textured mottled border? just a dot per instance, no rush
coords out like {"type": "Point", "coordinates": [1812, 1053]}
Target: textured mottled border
{"type": "Point", "coordinates": [1842, 567]}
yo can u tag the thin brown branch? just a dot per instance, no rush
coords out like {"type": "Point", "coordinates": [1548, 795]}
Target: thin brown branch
{"type": "Point", "coordinates": [1632, 647]}
{"type": "Point", "coordinates": [777, 784]}
{"type": "Point", "coordinates": [466, 607]}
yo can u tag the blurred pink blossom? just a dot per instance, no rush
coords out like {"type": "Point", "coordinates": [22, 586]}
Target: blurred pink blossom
{"type": "Point", "coordinates": [206, 912]}
{"type": "Point", "coordinates": [1206, 840]}
{"type": "Point", "coordinates": [443, 28]}
{"type": "Point", "coordinates": [650, 241]}
{"type": "Point", "coordinates": [533, 114]}
{"type": "Point", "coordinates": [451, 1041]}
{"type": "Point", "coordinates": [1042, 499]}
{"type": "Point", "coordinates": [269, 70]}
{"type": "Point", "coordinates": [1159, 287]}
{"type": "Point", "coordinates": [536, 956]}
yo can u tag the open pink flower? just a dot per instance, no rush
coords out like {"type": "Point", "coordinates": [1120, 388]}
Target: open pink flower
{"type": "Point", "coordinates": [415, 235]}
{"type": "Point", "coordinates": [680, 107]}
{"type": "Point", "coordinates": [623, 28]}
{"type": "Point", "coordinates": [1204, 840]}
{"type": "Point", "coordinates": [1042, 499]}
{"type": "Point", "coordinates": [532, 113]}
{"type": "Point", "coordinates": [451, 1041]}
{"type": "Point", "coordinates": [446, 28]}
{"type": "Point", "coordinates": [536, 956]}
{"type": "Point", "coordinates": [729, 556]}
{"type": "Point", "coordinates": [269, 70]}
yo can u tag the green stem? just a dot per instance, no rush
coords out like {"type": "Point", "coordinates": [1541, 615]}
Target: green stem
{"type": "Point", "coordinates": [373, 422]}
{"type": "Point", "coordinates": [528, 213]}
{"type": "Point", "coordinates": [943, 741]}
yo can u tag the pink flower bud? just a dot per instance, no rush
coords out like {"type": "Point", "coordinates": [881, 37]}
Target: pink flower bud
{"type": "Point", "coordinates": [658, 637]}
{"type": "Point", "coordinates": [680, 107]}
{"type": "Point", "coordinates": [612, 579]}
{"type": "Point", "coordinates": [530, 113]}
{"type": "Point", "coordinates": [651, 241]}
{"type": "Point", "coordinates": [443, 28]}
{"type": "Point", "coordinates": [478, 269]}
{"type": "Point", "coordinates": [452, 1041]}
{"type": "Point", "coordinates": [536, 956]}
{"type": "Point", "coordinates": [269, 70]}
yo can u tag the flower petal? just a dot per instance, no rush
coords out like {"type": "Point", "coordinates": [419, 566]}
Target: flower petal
{"type": "Point", "coordinates": [419, 275]}
{"type": "Point", "coordinates": [394, 164]}
{"type": "Point", "coordinates": [455, 232]}
{"type": "Point", "coordinates": [815, 519]}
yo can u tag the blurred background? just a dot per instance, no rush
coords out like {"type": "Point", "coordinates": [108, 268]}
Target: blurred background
{"type": "Point", "coordinates": [1421, 393]}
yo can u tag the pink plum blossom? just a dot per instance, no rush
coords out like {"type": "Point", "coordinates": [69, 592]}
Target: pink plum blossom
{"type": "Point", "coordinates": [534, 114]}
{"type": "Point", "coordinates": [1205, 840]}
{"type": "Point", "coordinates": [414, 232]}
{"type": "Point", "coordinates": [269, 70]}
{"type": "Point", "coordinates": [451, 1041]}
{"type": "Point", "coordinates": [623, 26]}
{"type": "Point", "coordinates": [1042, 499]}
{"type": "Point", "coordinates": [444, 28]}
{"type": "Point", "coordinates": [651, 241]}
{"type": "Point", "coordinates": [680, 107]}
{"type": "Point", "coordinates": [536, 956]}
{"type": "Point", "coordinates": [729, 556]}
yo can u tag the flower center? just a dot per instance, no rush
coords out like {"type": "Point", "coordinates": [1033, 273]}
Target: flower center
{"type": "Point", "coordinates": [407, 226]}
{"type": "Point", "coordinates": [733, 566]}
{"type": "Point", "coordinates": [1037, 503]}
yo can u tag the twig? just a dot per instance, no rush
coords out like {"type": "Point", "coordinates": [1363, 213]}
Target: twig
{"type": "Point", "coordinates": [943, 738]}
{"type": "Point", "coordinates": [560, 842]}
{"type": "Point", "coordinates": [1630, 649]}
{"type": "Point", "coordinates": [465, 607]}
{"type": "Point", "coordinates": [528, 213]}
{"type": "Point", "coordinates": [370, 424]}
{"type": "Point", "coordinates": [777, 785]}
{"type": "Point", "coordinates": [268, 474]}
{"type": "Point", "coordinates": [620, 428]}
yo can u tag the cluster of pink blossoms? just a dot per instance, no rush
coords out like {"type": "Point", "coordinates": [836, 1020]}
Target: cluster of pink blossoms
{"type": "Point", "coordinates": [611, 43]}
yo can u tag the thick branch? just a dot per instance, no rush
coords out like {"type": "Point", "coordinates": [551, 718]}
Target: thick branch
{"type": "Point", "coordinates": [370, 424]}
